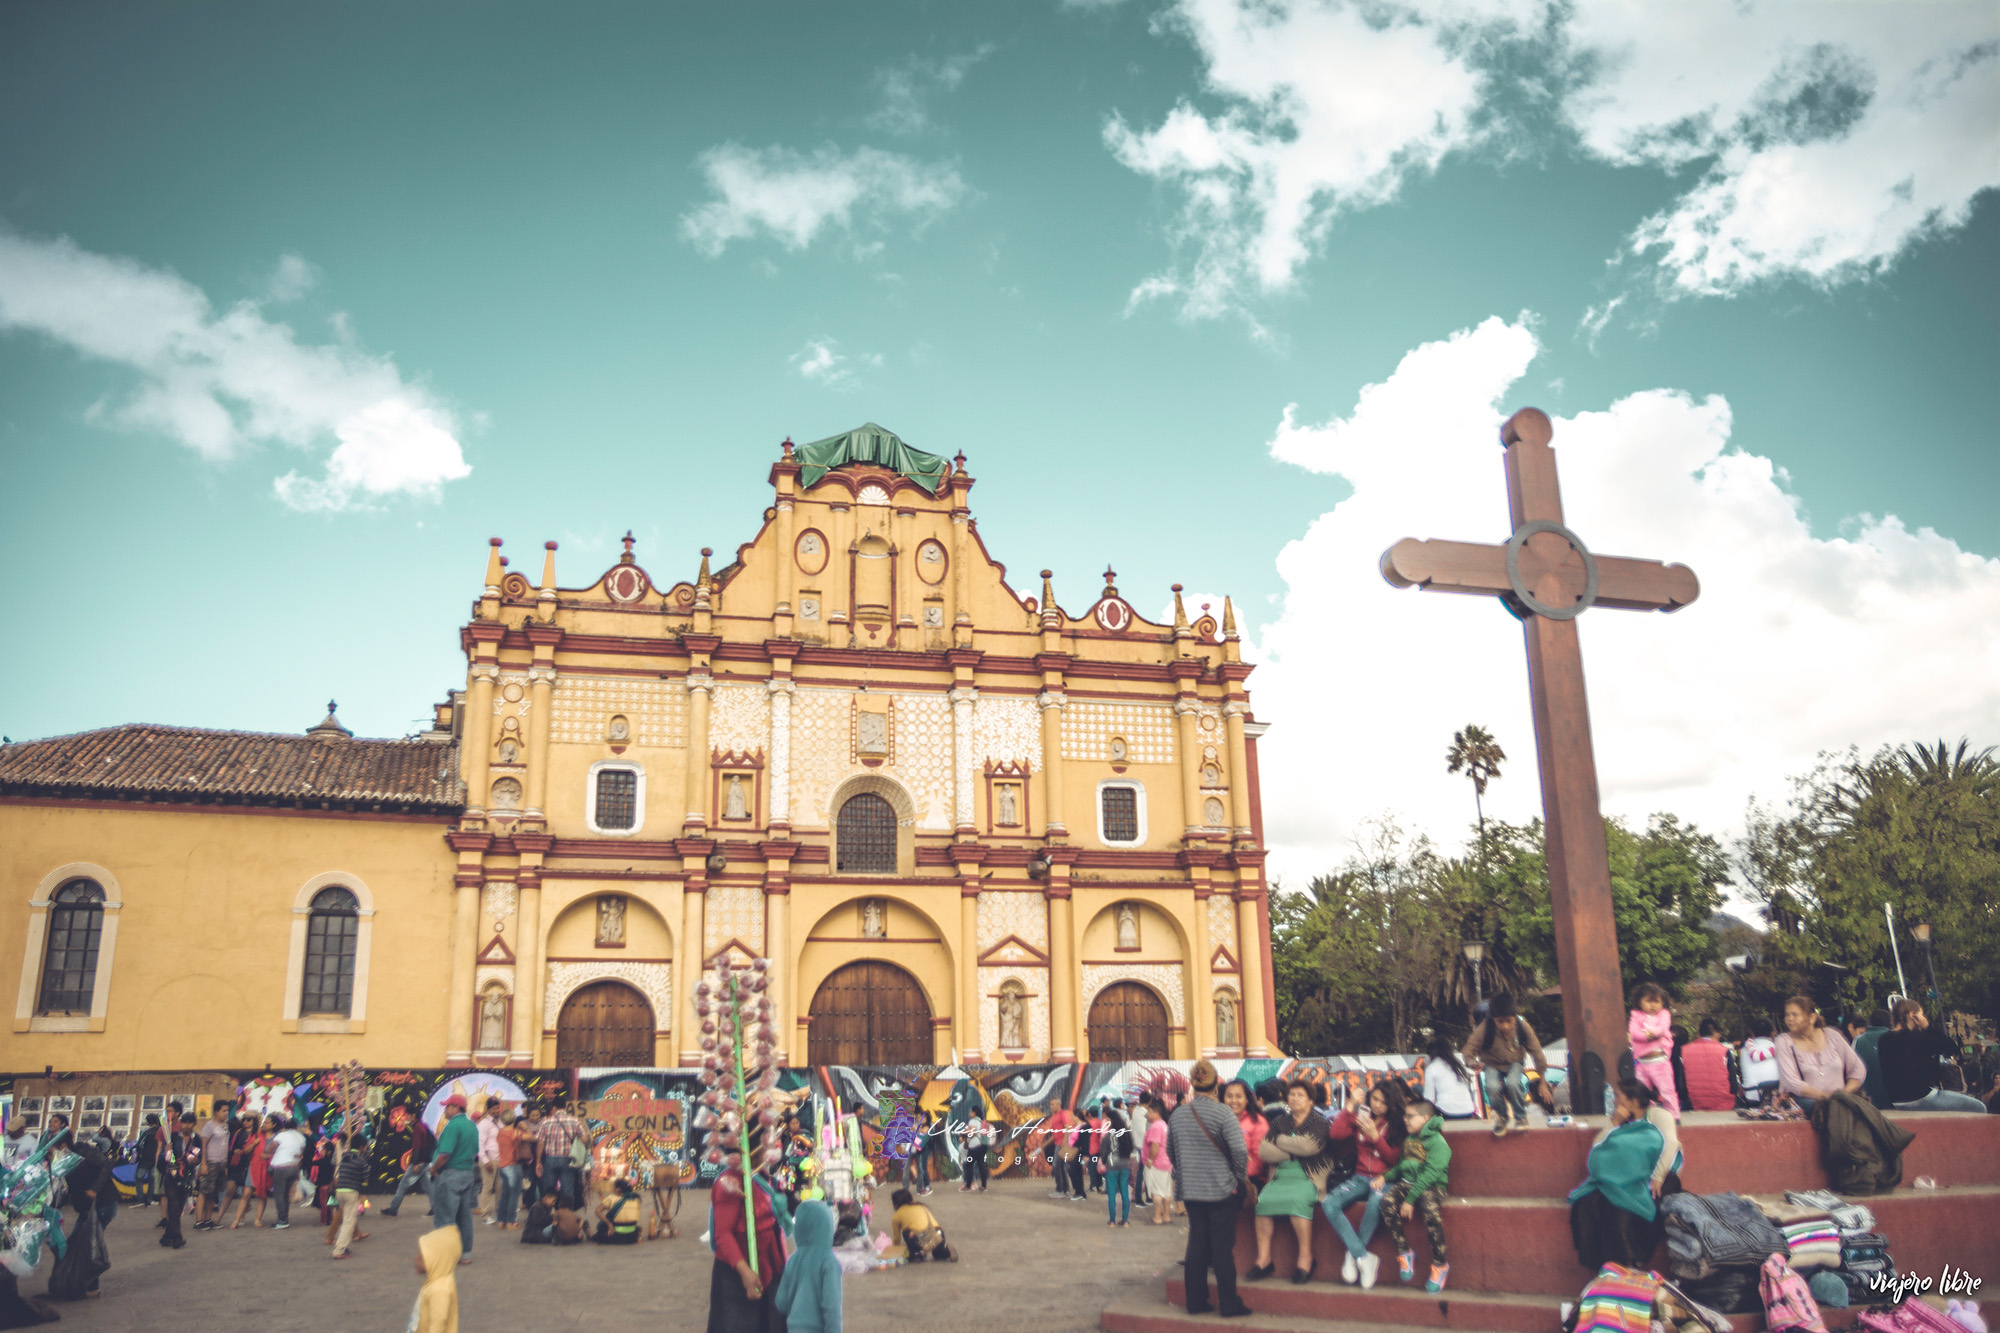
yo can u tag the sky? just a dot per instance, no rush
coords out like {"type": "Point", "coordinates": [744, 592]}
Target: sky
{"type": "Point", "coordinates": [299, 305]}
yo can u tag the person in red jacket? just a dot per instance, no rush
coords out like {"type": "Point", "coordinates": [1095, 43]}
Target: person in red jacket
{"type": "Point", "coordinates": [1707, 1063]}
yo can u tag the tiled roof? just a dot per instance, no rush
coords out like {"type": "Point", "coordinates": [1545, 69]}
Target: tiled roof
{"type": "Point", "coordinates": [147, 762]}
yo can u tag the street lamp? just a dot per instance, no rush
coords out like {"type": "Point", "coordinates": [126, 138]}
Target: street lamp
{"type": "Point", "coordinates": [1475, 954]}
{"type": "Point", "coordinates": [1922, 930]}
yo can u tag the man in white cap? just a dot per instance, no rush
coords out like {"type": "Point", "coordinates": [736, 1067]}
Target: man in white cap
{"type": "Point", "coordinates": [18, 1146]}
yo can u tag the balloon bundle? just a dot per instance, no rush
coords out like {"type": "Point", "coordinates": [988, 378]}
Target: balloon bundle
{"type": "Point", "coordinates": [738, 1072]}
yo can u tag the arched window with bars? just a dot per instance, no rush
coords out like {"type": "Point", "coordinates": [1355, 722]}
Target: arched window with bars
{"type": "Point", "coordinates": [75, 932]}
{"type": "Point", "coordinates": [866, 834]}
{"type": "Point", "coordinates": [332, 937]}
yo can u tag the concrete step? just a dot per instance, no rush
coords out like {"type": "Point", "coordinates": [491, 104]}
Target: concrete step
{"type": "Point", "coordinates": [1524, 1245]}
{"type": "Point", "coordinates": [1315, 1307]}
{"type": "Point", "coordinates": [1723, 1152]}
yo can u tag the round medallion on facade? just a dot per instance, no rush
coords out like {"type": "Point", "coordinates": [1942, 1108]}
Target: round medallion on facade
{"type": "Point", "coordinates": [871, 494]}
{"type": "Point", "coordinates": [514, 585]}
{"type": "Point", "coordinates": [1114, 615]}
{"type": "Point", "coordinates": [512, 692]}
{"type": "Point", "coordinates": [626, 583]}
{"type": "Point", "coordinates": [931, 562]}
{"type": "Point", "coordinates": [811, 549]}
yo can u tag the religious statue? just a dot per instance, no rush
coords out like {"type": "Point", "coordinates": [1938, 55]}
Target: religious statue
{"type": "Point", "coordinates": [1212, 813]}
{"type": "Point", "coordinates": [1013, 1018]}
{"type": "Point", "coordinates": [1117, 749]}
{"type": "Point", "coordinates": [618, 730]}
{"type": "Point", "coordinates": [733, 804]}
{"type": "Point", "coordinates": [1009, 806]}
{"type": "Point", "coordinates": [872, 733]}
{"type": "Point", "coordinates": [1225, 1019]}
{"type": "Point", "coordinates": [510, 751]}
{"type": "Point", "coordinates": [1128, 926]}
{"type": "Point", "coordinates": [874, 919]}
{"type": "Point", "coordinates": [611, 919]}
{"type": "Point", "coordinates": [493, 1020]}
{"type": "Point", "coordinates": [507, 794]}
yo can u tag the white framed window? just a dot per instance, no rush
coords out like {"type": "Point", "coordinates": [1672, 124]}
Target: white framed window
{"type": "Point", "coordinates": [1121, 813]}
{"type": "Point", "coordinates": [80, 902]}
{"type": "Point", "coordinates": [326, 969]}
{"type": "Point", "coordinates": [614, 798]}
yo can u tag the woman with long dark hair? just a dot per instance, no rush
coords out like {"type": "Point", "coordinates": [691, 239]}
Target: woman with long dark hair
{"type": "Point", "coordinates": [1299, 1150]}
{"type": "Point", "coordinates": [1614, 1214]}
{"type": "Point", "coordinates": [1377, 1125]}
{"type": "Point", "coordinates": [1447, 1082]}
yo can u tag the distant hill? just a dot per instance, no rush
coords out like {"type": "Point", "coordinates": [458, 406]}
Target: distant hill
{"type": "Point", "coordinates": [1723, 921]}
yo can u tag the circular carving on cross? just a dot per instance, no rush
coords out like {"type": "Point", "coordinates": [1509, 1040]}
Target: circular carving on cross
{"type": "Point", "coordinates": [1519, 540]}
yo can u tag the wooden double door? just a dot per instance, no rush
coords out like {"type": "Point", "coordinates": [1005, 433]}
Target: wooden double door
{"type": "Point", "coordinates": [605, 1023]}
{"type": "Point", "coordinates": [1127, 1022]}
{"type": "Point", "coordinates": [870, 1013]}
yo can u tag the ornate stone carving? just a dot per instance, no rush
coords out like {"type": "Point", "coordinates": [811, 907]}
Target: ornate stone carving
{"type": "Point", "coordinates": [1162, 977]}
{"type": "Point", "coordinates": [497, 901]}
{"type": "Point", "coordinates": [581, 706]}
{"type": "Point", "coordinates": [1128, 926]}
{"type": "Point", "coordinates": [611, 919]}
{"type": "Point", "coordinates": [1148, 731]}
{"type": "Point", "coordinates": [506, 794]}
{"type": "Point", "coordinates": [1005, 730]}
{"type": "Point", "coordinates": [733, 912]}
{"type": "Point", "coordinates": [1222, 925]}
{"type": "Point", "coordinates": [1034, 985]}
{"type": "Point", "coordinates": [1025, 916]}
{"type": "Point", "coordinates": [739, 719]}
{"type": "Point", "coordinates": [652, 980]}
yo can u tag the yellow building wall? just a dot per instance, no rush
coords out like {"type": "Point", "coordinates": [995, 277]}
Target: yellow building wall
{"type": "Point", "coordinates": [198, 973]}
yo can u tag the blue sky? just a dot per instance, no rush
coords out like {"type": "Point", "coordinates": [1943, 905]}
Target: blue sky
{"type": "Point", "coordinates": [300, 305]}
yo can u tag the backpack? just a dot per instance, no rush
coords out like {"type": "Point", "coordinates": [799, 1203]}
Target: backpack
{"type": "Point", "coordinates": [1789, 1306]}
{"type": "Point", "coordinates": [1912, 1316]}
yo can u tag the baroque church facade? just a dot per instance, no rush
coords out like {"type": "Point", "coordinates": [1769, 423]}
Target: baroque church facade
{"type": "Point", "coordinates": [962, 822]}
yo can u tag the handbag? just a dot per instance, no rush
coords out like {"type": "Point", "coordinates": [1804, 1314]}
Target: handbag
{"type": "Point", "coordinates": [1244, 1185]}
{"type": "Point", "coordinates": [579, 1153]}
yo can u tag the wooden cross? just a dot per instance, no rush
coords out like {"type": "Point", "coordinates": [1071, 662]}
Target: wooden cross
{"type": "Point", "coordinates": [1546, 577]}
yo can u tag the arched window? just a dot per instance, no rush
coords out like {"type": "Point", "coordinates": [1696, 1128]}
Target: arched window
{"type": "Point", "coordinates": [866, 833]}
{"type": "Point", "coordinates": [76, 927]}
{"type": "Point", "coordinates": [332, 932]}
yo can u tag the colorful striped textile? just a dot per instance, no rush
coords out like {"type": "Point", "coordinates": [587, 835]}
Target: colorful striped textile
{"type": "Point", "coordinates": [1813, 1239]}
{"type": "Point", "coordinates": [1618, 1300]}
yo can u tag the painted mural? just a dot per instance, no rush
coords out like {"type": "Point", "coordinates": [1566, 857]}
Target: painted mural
{"type": "Point", "coordinates": [641, 1122]}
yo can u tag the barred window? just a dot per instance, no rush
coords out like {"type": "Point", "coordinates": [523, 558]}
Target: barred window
{"type": "Point", "coordinates": [617, 798]}
{"type": "Point", "coordinates": [69, 968]}
{"type": "Point", "coordinates": [866, 834]}
{"type": "Point", "coordinates": [332, 932]}
{"type": "Point", "coordinates": [1120, 814]}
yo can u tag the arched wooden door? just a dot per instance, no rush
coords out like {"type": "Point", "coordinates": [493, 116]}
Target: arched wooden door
{"type": "Point", "coordinates": [605, 1023]}
{"type": "Point", "coordinates": [870, 1014]}
{"type": "Point", "coordinates": [1127, 1022]}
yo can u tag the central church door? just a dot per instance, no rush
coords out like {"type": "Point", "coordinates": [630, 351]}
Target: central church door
{"type": "Point", "coordinates": [1127, 1022]}
{"type": "Point", "coordinates": [870, 1014]}
{"type": "Point", "coordinates": [605, 1023]}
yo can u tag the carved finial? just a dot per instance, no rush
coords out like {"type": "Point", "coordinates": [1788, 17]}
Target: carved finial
{"type": "Point", "coordinates": [332, 707]}
{"type": "Point", "coordinates": [1110, 581]}
{"type": "Point", "coordinates": [1228, 619]}
{"type": "Point", "coordinates": [626, 558]}
{"type": "Point", "coordinates": [1180, 615]}
{"type": "Point", "coordinates": [701, 579]}
{"type": "Point", "coordinates": [959, 458]}
{"type": "Point", "coordinates": [329, 727]}
{"type": "Point", "coordinates": [787, 446]}
{"type": "Point", "coordinates": [494, 566]}
{"type": "Point", "coordinates": [1048, 591]}
{"type": "Point", "coordinates": [549, 567]}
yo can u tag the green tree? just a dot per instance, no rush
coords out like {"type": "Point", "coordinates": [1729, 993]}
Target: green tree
{"type": "Point", "coordinates": [1916, 828]}
{"type": "Point", "coordinates": [1475, 753]}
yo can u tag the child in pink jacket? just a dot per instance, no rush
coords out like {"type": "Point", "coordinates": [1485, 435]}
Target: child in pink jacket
{"type": "Point", "coordinates": [1652, 1032]}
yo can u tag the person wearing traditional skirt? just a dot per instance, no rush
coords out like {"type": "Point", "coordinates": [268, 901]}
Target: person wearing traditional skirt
{"type": "Point", "coordinates": [1614, 1214]}
{"type": "Point", "coordinates": [1299, 1152]}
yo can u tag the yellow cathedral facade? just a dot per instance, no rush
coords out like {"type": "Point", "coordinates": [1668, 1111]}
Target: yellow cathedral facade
{"type": "Point", "coordinates": [963, 823]}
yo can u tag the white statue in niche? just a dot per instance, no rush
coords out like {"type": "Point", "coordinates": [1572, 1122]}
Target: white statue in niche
{"type": "Point", "coordinates": [1117, 749]}
{"type": "Point", "coordinates": [1009, 804]}
{"type": "Point", "coordinates": [933, 617]}
{"type": "Point", "coordinates": [611, 919]}
{"type": "Point", "coordinates": [1013, 1016]}
{"type": "Point", "coordinates": [1212, 813]}
{"type": "Point", "coordinates": [618, 730]}
{"type": "Point", "coordinates": [493, 1019]}
{"type": "Point", "coordinates": [510, 751]}
{"type": "Point", "coordinates": [734, 804]}
{"type": "Point", "coordinates": [872, 733]}
{"type": "Point", "coordinates": [507, 794]}
{"type": "Point", "coordinates": [874, 919]}
{"type": "Point", "coordinates": [1128, 926]}
{"type": "Point", "coordinates": [809, 608]}
{"type": "Point", "coordinates": [809, 544]}
{"type": "Point", "coordinates": [1211, 776]}
{"type": "Point", "coordinates": [931, 553]}
{"type": "Point", "coordinates": [1225, 1019]}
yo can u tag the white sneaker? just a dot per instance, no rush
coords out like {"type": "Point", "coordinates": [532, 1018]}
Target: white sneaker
{"type": "Point", "coordinates": [1347, 1270]}
{"type": "Point", "coordinates": [1369, 1264]}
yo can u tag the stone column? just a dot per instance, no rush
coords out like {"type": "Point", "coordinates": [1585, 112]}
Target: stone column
{"type": "Point", "coordinates": [1250, 944]}
{"type": "Point", "coordinates": [968, 971]}
{"type": "Point", "coordinates": [688, 963]}
{"type": "Point", "coordinates": [528, 979]}
{"type": "Point", "coordinates": [962, 760]}
{"type": "Point", "coordinates": [1065, 977]}
{"type": "Point", "coordinates": [466, 888]}
{"type": "Point", "coordinates": [1239, 769]}
{"type": "Point", "coordinates": [778, 937]}
{"type": "Point", "coordinates": [1052, 703]}
{"type": "Point", "coordinates": [541, 686]}
{"type": "Point", "coordinates": [779, 768]}
{"type": "Point", "coordinates": [478, 757]}
{"type": "Point", "coordinates": [1201, 981]}
{"type": "Point", "coordinates": [699, 687]}
{"type": "Point", "coordinates": [1185, 711]}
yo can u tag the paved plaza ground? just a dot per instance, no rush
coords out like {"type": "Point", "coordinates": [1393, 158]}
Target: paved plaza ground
{"type": "Point", "coordinates": [1030, 1262]}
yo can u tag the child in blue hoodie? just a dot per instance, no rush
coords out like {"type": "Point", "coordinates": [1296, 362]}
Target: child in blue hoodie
{"type": "Point", "coordinates": [809, 1291]}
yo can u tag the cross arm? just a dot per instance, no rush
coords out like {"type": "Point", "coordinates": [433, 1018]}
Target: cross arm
{"type": "Point", "coordinates": [1481, 570]}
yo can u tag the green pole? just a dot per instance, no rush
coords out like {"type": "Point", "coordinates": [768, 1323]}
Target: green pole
{"type": "Point", "coordinates": [743, 1138]}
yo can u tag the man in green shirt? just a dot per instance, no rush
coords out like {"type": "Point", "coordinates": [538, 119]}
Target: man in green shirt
{"type": "Point", "coordinates": [455, 1173]}
{"type": "Point", "coordinates": [1865, 1044]}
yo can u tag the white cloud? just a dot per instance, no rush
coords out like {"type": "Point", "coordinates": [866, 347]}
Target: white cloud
{"type": "Point", "coordinates": [1833, 135]}
{"type": "Point", "coordinates": [293, 278]}
{"type": "Point", "coordinates": [1823, 140]}
{"type": "Point", "coordinates": [1798, 643]}
{"type": "Point", "coordinates": [906, 90]}
{"type": "Point", "coordinates": [794, 196]}
{"type": "Point", "coordinates": [822, 362]}
{"type": "Point", "coordinates": [223, 382]}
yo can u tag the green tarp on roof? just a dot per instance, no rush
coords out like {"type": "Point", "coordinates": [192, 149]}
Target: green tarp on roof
{"type": "Point", "coordinates": [870, 444]}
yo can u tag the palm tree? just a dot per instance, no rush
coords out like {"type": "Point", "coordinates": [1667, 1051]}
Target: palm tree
{"type": "Point", "coordinates": [1475, 753]}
